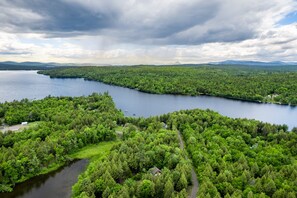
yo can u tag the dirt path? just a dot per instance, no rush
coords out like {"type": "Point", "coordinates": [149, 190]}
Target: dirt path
{"type": "Point", "coordinates": [181, 142]}
{"type": "Point", "coordinates": [13, 128]}
{"type": "Point", "coordinates": [193, 174]}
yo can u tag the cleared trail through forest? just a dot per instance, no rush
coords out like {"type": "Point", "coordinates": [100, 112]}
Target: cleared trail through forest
{"type": "Point", "coordinates": [193, 174]}
{"type": "Point", "coordinates": [13, 128]}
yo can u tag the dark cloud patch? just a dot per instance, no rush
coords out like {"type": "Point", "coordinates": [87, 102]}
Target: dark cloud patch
{"type": "Point", "coordinates": [9, 50]}
{"type": "Point", "coordinates": [176, 20]}
{"type": "Point", "coordinates": [165, 22]}
{"type": "Point", "coordinates": [211, 35]}
{"type": "Point", "coordinates": [228, 34]}
{"type": "Point", "coordinates": [58, 17]}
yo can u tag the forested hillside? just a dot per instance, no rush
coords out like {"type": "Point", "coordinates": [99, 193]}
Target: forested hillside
{"type": "Point", "coordinates": [267, 84]}
{"type": "Point", "coordinates": [65, 125]}
{"type": "Point", "coordinates": [148, 163]}
{"type": "Point", "coordinates": [232, 157]}
{"type": "Point", "coordinates": [238, 157]}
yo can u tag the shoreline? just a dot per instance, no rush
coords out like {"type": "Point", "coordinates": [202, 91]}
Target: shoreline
{"type": "Point", "coordinates": [148, 92]}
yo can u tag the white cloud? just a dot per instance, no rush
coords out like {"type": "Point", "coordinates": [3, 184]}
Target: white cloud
{"type": "Point", "coordinates": [156, 32]}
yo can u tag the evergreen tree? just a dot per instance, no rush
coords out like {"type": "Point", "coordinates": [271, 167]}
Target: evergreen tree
{"type": "Point", "coordinates": [269, 187]}
{"type": "Point", "coordinates": [169, 189]}
{"type": "Point", "coordinates": [182, 183]}
{"type": "Point", "coordinates": [106, 192]}
{"type": "Point", "coordinates": [146, 189]}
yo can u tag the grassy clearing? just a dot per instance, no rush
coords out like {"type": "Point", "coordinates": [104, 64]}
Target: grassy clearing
{"type": "Point", "coordinates": [99, 150]}
{"type": "Point", "coordinates": [119, 131]}
{"type": "Point", "coordinates": [34, 124]}
{"type": "Point", "coordinates": [90, 151]}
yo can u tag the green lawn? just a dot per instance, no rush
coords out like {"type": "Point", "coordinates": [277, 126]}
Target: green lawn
{"type": "Point", "coordinates": [99, 150]}
{"type": "Point", "coordinates": [34, 124]}
{"type": "Point", "coordinates": [93, 150]}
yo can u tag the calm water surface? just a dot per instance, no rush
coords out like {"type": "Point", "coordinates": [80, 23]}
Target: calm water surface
{"type": "Point", "coordinates": [15, 85]}
{"type": "Point", "coordinates": [55, 184]}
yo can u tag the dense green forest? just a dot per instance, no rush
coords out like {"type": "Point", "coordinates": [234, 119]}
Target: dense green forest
{"type": "Point", "coordinates": [238, 157]}
{"type": "Point", "coordinates": [232, 157]}
{"type": "Point", "coordinates": [130, 169]}
{"type": "Point", "coordinates": [65, 125]}
{"type": "Point", "coordinates": [259, 84]}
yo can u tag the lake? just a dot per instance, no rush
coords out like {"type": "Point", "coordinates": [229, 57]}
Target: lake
{"type": "Point", "coordinates": [16, 85]}
{"type": "Point", "coordinates": [55, 184]}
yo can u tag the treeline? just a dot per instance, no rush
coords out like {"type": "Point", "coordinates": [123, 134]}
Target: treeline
{"type": "Point", "coordinates": [65, 125]}
{"type": "Point", "coordinates": [232, 158]}
{"type": "Point", "coordinates": [148, 163]}
{"type": "Point", "coordinates": [19, 67]}
{"type": "Point", "coordinates": [238, 157]}
{"type": "Point", "coordinates": [236, 82]}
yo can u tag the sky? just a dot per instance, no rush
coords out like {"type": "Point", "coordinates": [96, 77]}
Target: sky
{"type": "Point", "coordinates": [147, 31]}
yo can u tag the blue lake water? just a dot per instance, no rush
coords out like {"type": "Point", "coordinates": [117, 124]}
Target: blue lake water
{"type": "Point", "coordinates": [15, 85]}
{"type": "Point", "coordinates": [56, 184]}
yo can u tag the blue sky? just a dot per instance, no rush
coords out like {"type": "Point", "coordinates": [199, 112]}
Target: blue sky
{"type": "Point", "coordinates": [289, 19]}
{"type": "Point", "coordinates": [147, 32]}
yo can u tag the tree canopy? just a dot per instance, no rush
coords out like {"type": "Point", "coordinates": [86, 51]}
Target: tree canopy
{"type": "Point", "coordinates": [65, 125]}
{"type": "Point", "coordinates": [259, 84]}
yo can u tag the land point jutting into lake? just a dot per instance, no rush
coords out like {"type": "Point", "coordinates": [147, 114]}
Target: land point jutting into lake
{"type": "Point", "coordinates": [148, 99]}
{"type": "Point", "coordinates": [213, 156]}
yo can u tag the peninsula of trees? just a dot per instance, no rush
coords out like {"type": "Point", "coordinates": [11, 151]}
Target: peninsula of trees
{"type": "Point", "coordinates": [231, 157]}
{"type": "Point", "coordinates": [258, 84]}
{"type": "Point", "coordinates": [65, 124]}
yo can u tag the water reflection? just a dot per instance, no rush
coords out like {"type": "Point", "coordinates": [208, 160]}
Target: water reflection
{"type": "Point", "coordinates": [54, 184]}
{"type": "Point", "coordinates": [28, 84]}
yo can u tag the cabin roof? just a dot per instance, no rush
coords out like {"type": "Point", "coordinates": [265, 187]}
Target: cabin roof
{"type": "Point", "coordinates": [155, 170]}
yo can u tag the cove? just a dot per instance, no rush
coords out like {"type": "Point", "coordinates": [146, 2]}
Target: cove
{"type": "Point", "coordinates": [16, 85]}
{"type": "Point", "coordinates": [55, 184]}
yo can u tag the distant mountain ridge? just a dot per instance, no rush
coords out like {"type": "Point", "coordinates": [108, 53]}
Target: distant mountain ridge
{"type": "Point", "coordinates": [6, 65]}
{"type": "Point", "coordinates": [253, 63]}
{"type": "Point", "coordinates": [11, 65]}
{"type": "Point", "coordinates": [34, 64]}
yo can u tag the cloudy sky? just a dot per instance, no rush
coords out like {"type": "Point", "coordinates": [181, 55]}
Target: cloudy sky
{"type": "Point", "coordinates": [147, 31]}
